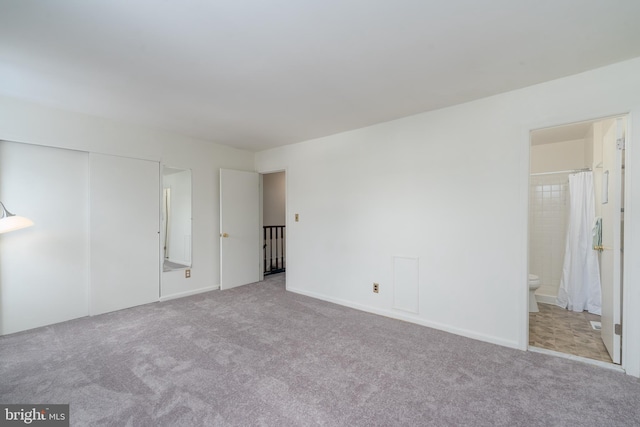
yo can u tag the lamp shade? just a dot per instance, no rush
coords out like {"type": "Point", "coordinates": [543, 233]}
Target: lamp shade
{"type": "Point", "coordinates": [14, 222]}
{"type": "Point", "coordinates": [11, 222]}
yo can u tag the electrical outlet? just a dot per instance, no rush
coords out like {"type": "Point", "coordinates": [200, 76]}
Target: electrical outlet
{"type": "Point", "coordinates": [187, 273]}
{"type": "Point", "coordinates": [376, 288]}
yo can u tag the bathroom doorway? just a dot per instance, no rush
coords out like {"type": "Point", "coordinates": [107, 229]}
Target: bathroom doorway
{"type": "Point", "coordinates": [576, 228]}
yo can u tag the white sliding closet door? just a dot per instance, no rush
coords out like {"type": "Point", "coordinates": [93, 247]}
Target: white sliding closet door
{"type": "Point", "coordinates": [124, 229]}
{"type": "Point", "coordinates": [44, 269]}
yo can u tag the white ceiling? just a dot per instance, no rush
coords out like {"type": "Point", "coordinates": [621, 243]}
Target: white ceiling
{"type": "Point", "coordinates": [257, 74]}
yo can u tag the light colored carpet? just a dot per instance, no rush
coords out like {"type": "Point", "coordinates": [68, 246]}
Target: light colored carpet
{"type": "Point", "coordinates": [258, 355]}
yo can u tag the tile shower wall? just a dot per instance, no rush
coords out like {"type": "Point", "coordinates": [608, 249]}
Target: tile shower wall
{"type": "Point", "coordinates": [549, 207]}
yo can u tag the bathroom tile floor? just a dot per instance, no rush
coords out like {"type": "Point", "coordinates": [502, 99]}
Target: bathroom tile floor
{"type": "Point", "coordinates": [557, 329]}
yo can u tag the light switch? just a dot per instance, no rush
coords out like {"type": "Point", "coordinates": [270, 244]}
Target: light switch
{"type": "Point", "coordinates": [297, 218]}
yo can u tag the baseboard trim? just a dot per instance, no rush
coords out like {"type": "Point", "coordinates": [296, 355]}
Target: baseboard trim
{"type": "Point", "coordinates": [189, 293]}
{"type": "Point", "coordinates": [605, 365]}
{"type": "Point", "coordinates": [411, 319]}
{"type": "Point", "coordinates": [546, 299]}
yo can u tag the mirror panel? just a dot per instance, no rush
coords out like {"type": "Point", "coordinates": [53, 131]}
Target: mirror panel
{"type": "Point", "coordinates": [176, 218]}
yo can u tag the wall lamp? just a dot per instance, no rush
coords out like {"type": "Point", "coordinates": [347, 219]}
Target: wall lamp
{"type": "Point", "coordinates": [11, 222]}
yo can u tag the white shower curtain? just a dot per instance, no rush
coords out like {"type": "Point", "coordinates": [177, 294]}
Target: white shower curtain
{"type": "Point", "coordinates": [580, 283]}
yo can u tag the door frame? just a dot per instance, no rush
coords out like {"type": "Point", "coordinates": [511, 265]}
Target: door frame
{"type": "Point", "coordinates": [627, 351]}
{"type": "Point", "coordinates": [261, 173]}
{"type": "Point", "coordinates": [616, 206]}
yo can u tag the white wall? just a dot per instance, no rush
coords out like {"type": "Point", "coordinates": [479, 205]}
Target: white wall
{"type": "Point", "coordinates": [588, 148]}
{"type": "Point", "coordinates": [451, 188]}
{"type": "Point", "coordinates": [23, 121]}
{"type": "Point", "coordinates": [44, 268]}
{"type": "Point", "coordinates": [559, 156]}
{"type": "Point", "coordinates": [274, 199]}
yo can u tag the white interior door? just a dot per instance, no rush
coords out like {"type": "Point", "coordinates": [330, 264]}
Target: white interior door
{"type": "Point", "coordinates": [124, 228]}
{"type": "Point", "coordinates": [239, 228]}
{"type": "Point", "coordinates": [611, 258]}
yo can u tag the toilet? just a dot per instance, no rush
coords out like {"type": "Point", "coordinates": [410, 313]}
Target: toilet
{"type": "Point", "coordinates": [534, 283]}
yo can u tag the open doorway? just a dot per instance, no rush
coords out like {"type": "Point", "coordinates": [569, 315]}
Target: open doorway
{"type": "Point", "coordinates": [274, 248]}
{"type": "Point", "coordinates": [576, 217]}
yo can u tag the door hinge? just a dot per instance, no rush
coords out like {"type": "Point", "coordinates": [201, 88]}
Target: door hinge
{"type": "Point", "coordinates": [620, 143]}
{"type": "Point", "coordinates": [618, 329]}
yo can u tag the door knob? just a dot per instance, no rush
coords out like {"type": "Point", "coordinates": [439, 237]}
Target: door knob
{"type": "Point", "coordinates": [224, 235]}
